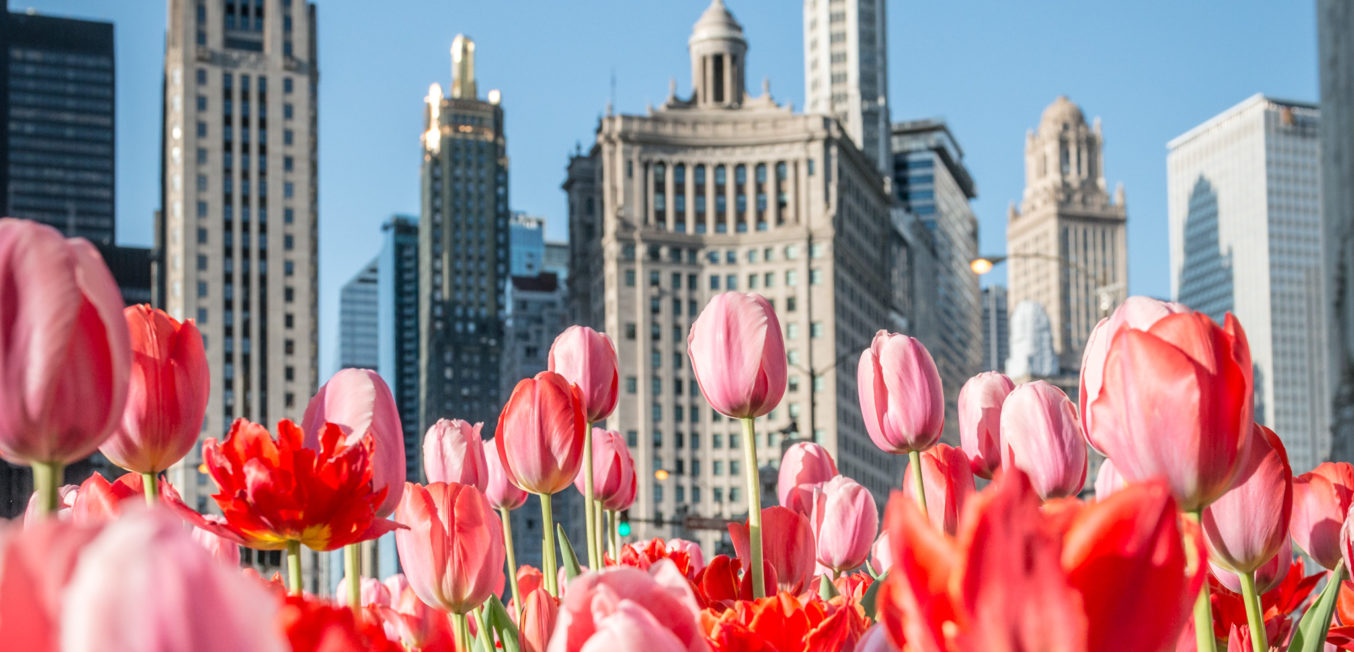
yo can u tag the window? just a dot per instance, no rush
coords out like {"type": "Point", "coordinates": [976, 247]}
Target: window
{"type": "Point", "coordinates": [791, 331]}
{"type": "Point", "coordinates": [287, 111]}
{"type": "Point", "coordinates": [791, 303]}
{"type": "Point", "coordinates": [630, 330]}
{"type": "Point", "coordinates": [287, 137]}
{"type": "Point", "coordinates": [201, 130]}
{"type": "Point", "coordinates": [630, 278]}
{"type": "Point", "coordinates": [816, 250]}
{"type": "Point", "coordinates": [714, 282]}
{"type": "Point", "coordinates": [734, 467]}
{"type": "Point", "coordinates": [287, 163]}
{"type": "Point", "coordinates": [791, 277]}
{"type": "Point", "coordinates": [816, 329]}
{"type": "Point", "coordinates": [632, 438]}
{"type": "Point", "coordinates": [631, 384]}
{"type": "Point", "coordinates": [288, 190]}
{"type": "Point", "coordinates": [791, 252]}
{"type": "Point", "coordinates": [717, 467]}
{"type": "Point", "coordinates": [286, 85]}
{"type": "Point", "coordinates": [815, 277]}
{"type": "Point", "coordinates": [717, 440]}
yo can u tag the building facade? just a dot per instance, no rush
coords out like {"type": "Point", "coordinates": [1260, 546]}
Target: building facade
{"type": "Point", "coordinates": [526, 240]}
{"type": "Point", "coordinates": [722, 191]}
{"type": "Point", "coordinates": [1335, 45]}
{"type": "Point", "coordinates": [1246, 186]}
{"type": "Point", "coordinates": [463, 248]}
{"type": "Point", "coordinates": [1067, 244]}
{"type": "Point", "coordinates": [846, 70]}
{"type": "Point", "coordinates": [359, 336]}
{"type": "Point", "coordinates": [996, 328]}
{"type": "Point", "coordinates": [397, 299]}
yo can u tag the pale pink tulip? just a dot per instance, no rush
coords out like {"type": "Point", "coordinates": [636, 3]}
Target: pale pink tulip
{"type": "Point", "coordinates": [540, 434]}
{"type": "Point", "coordinates": [804, 466]}
{"type": "Point", "coordinates": [738, 355]}
{"type": "Point", "coordinates": [453, 451]}
{"type": "Point", "coordinates": [632, 627]}
{"type": "Point", "coordinates": [980, 402]}
{"type": "Point", "coordinates": [613, 471]}
{"type": "Point", "coordinates": [881, 556]}
{"type": "Point", "coordinates": [876, 639]}
{"type": "Point", "coordinates": [1267, 576]}
{"type": "Point", "coordinates": [587, 359]}
{"type": "Point", "coordinates": [1136, 313]}
{"type": "Point", "coordinates": [373, 592]}
{"type": "Point", "coordinates": [453, 551]}
{"type": "Point", "coordinates": [223, 549]}
{"type": "Point", "coordinates": [1041, 435]}
{"type": "Point", "coordinates": [65, 354]}
{"type": "Point", "coordinates": [359, 402]}
{"type": "Point", "coordinates": [1107, 480]}
{"type": "Point", "coordinates": [594, 599]}
{"type": "Point", "coordinates": [845, 522]}
{"type": "Point", "coordinates": [1248, 525]}
{"type": "Point", "coordinates": [900, 394]}
{"type": "Point", "coordinates": [948, 483]}
{"type": "Point", "coordinates": [500, 491]}
{"type": "Point", "coordinates": [1321, 499]}
{"type": "Point", "coordinates": [66, 496]}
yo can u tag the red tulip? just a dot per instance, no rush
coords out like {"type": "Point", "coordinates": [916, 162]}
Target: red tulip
{"type": "Point", "coordinates": [845, 522]}
{"type": "Point", "coordinates": [948, 485]}
{"type": "Point", "coordinates": [360, 404]}
{"type": "Point", "coordinates": [1041, 435]}
{"type": "Point", "coordinates": [602, 611]}
{"type": "Point", "coordinates": [738, 355]}
{"type": "Point", "coordinates": [311, 624]}
{"type": "Point", "coordinates": [453, 451]}
{"type": "Point", "coordinates": [980, 402]}
{"type": "Point", "coordinates": [783, 622]}
{"type": "Point", "coordinates": [99, 501]}
{"type": "Point", "coordinates": [539, 614]}
{"type": "Point", "coordinates": [1249, 523]}
{"type": "Point", "coordinates": [500, 491]}
{"type": "Point", "coordinates": [787, 546]}
{"type": "Point", "coordinates": [804, 466]}
{"type": "Point", "coordinates": [1176, 404]}
{"type": "Point", "coordinates": [148, 557]}
{"type": "Point", "coordinates": [644, 554]}
{"type": "Point", "coordinates": [276, 491]}
{"type": "Point", "coordinates": [613, 471]}
{"type": "Point", "coordinates": [65, 353]}
{"type": "Point", "coordinates": [1321, 499]}
{"type": "Point", "coordinates": [587, 359]}
{"type": "Point", "coordinates": [692, 550]}
{"type": "Point", "coordinates": [1107, 480]}
{"type": "Point", "coordinates": [453, 551]}
{"type": "Point", "coordinates": [540, 434]}
{"type": "Point", "coordinates": [1134, 313]}
{"type": "Point", "coordinates": [900, 394]}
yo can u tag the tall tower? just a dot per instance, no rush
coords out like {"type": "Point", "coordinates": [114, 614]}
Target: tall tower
{"type": "Point", "coordinates": [1335, 43]}
{"type": "Point", "coordinates": [846, 70]}
{"type": "Point", "coordinates": [1068, 242]}
{"type": "Point", "coordinates": [359, 336]}
{"type": "Point", "coordinates": [463, 248]}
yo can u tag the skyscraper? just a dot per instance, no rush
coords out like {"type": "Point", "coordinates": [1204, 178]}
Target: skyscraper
{"type": "Point", "coordinates": [1067, 244]}
{"type": "Point", "coordinates": [56, 106]}
{"type": "Point", "coordinates": [931, 182]}
{"type": "Point", "coordinates": [526, 239]}
{"type": "Point", "coordinates": [721, 191]}
{"type": "Point", "coordinates": [359, 339]}
{"type": "Point", "coordinates": [397, 299]}
{"type": "Point", "coordinates": [996, 328]}
{"type": "Point", "coordinates": [846, 70]}
{"type": "Point", "coordinates": [238, 225]}
{"type": "Point", "coordinates": [1244, 198]}
{"type": "Point", "coordinates": [1335, 44]}
{"type": "Point", "coordinates": [463, 248]}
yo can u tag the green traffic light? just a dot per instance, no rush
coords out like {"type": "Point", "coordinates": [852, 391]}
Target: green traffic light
{"type": "Point", "coordinates": [623, 528]}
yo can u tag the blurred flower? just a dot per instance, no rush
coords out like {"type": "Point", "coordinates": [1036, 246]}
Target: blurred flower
{"type": "Point", "coordinates": [613, 471]}
{"type": "Point", "coordinates": [1107, 480]}
{"type": "Point", "coordinates": [1136, 313]}
{"type": "Point", "coordinates": [804, 465]}
{"type": "Point", "coordinates": [738, 355]}
{"type": "Point", "coordinates": [784, 622]}
{"type": "Point", "coordinates": [539, 614]}
{"type": "Point", "coordinates": [1248, 525]}
{"type": "Point", "coordinates": [948, 485]}
{"type": "Point", "coordinates": [359, 402]}
{"type": "Point", "coordinates": [500, 491]}
{"type": "Point", "coordinates": [626, 608]}
{"type": "Point", "coordinates": [900, 394]}
{"type": "Point", "coordinates": [312, 625]}
{"type": "Point", "coordinates": [453, 451]}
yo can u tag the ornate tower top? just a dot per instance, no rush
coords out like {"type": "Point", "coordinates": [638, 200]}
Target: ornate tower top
{"type": "Point", "coordinates": [463, 68]}
{"type": "Point", "coordinates": [1063, 159]}
{"type": "Point", "coordinates": [717, 58]}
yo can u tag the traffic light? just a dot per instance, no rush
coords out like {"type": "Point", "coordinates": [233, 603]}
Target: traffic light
{"type": "Point", "coordinates": [623, 528]}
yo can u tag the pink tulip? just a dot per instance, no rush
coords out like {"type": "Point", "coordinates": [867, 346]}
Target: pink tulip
{"type": "Point", "coordinates": [36, 564]}
{"type": "Point", "coordinates": [540, 611]}
{"type": "Point", "coordinates": [66, 495]}
{"type": "Point", "coordinates": [500, 491]}
{"type": "Point", "coordinates": [875, 639]}
{"type": "Point", "coordinates": [147, 555]}
{"type": "Point", "coordinates": [413, 623]}
{"type": "Point", "coordinates": [65, 354]}
{"type": "Point", "coordinates": [540, 433]}
{"type": "Point", "coordinates": [980, 402]}
{"type": "Point", "coordinates": [1107, 480]}
{"type": "Point", "coordinates": [1347, 543]}
{"type": "Point", "coordinates": [372, 592]}
{"type": "Point", "coordinates": [1134, 313]}
{"type": "Point", "coordinates": [692, 550]}
{"type": "Point", "coordinates": [900, 394]}
{"type": "Point", "coordinates": [224, 550]}
{"type": "Point", "coordinates": [1041, 435]}
{"type": "Point", "coordinates": [454, 452]}
{"type": "Point", "coordinates": [948, 484]}
{"type": "Point", "coordinates": [617, 593]}
{"type": "Point", "coordinates": [167, 396]}
{"type": "Point", "coordinates": [1248, 524]}
{"type": "Point", "coordinates": [1175, 403]}
{"type": "Point", "coordinates": [845, 522]}
{"type": "Point", "coordinates": [1321, 499]}
{"type": "Point", "coordinates": [1267, 576]}
{"type": "Point", "coordinates": [787, 546]}
{"type": "Point", "coordinates": [453, 551]}
{"type": "Point", "coordinates": [587, 359]}
{"type": "Point", "coordinates": [804, 466]}
{"type": "Point", "coordinates": [359, 402]}
{"type": "Point", "coordinates": [738, 355]}
{"type": "Point", "coordinates": [613, 471]}
{"type": "Point", "coordinates": [881, 556]}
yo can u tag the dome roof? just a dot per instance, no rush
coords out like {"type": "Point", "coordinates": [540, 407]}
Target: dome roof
{"type": "Point", "coordinates": [1061, 112]}
{"type": "Point", "coordinates": [716, 23]}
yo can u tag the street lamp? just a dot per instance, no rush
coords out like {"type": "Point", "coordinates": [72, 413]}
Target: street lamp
{"type": "Point", "coordinates": [1104, 291]}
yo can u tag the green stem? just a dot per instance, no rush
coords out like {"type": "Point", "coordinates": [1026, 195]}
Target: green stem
{"type": "Point", "coordinates": [47, 482]}
{"type": "Point", "coordinates": [914, 457]}
{"type": "Point", "coordinates": [614, 536]}
{"type": "Point", "coordinates": [462, 632]}
{"type": "Point", "coordinates": [486, 635]}
{"type": "Point", "coordinates": [548, 550]}
{"type": "Point", "coordinates": [754, 492]}
{"type": "Point", "coordinates": [352, 567]}
{"type": "Point", "coordinates": [1259, 640]}
{"type": "Point", "coordinates": [150, 484]}
{"type": "Point", "coordinates": [1204, 640]}
{"type": "Point", "coordinates": [294, 567]}
{"type": "Point", "coordinates": [589, 504]}
{"type": "Point", "coordinates": [512, 560]}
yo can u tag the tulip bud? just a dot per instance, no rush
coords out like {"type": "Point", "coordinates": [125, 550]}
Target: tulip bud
{"type": "Point", "coordinates": [540, 433]}
{"type": "Point", "coordinates": [1321, 499]}
{"type": "Point", "coordinates": [454, 452]}
{"type": "Point", "coordinates": [900, 394]}
{"type": "Point", "coordinates": [738, 355]}
{"type": "Point", "coordinates": [613, 471]}
{"type": "Point", "coordinates": [1249, 524]}
{"type": "Point", "coordinates": [980, 402]}
{"type": "Point", "coordinates": [453, 552]}
{"type": "Point", "coordinates": [804, 466]}
{"type": "Point", "coordinates": [359, 402]}
{"type": "Point", "coordinates": [1041, 436]}
{"type": "Point", "coordinates": [587, 359]}
{"type": "Point", "coordinates": [540, 610]}
{"type": "Point", "coordinates": [948, 484]}
{"type": "Point", "coordinates": [845, 522]}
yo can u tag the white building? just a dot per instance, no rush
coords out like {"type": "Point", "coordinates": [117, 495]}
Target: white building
{"type": "Point", "coordinates": [846, 70]}
{"type": "Point", "coordinates": [1245, 233]}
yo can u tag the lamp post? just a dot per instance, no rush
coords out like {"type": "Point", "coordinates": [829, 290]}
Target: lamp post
{"type": "Point", "coordinates": [814, 374]}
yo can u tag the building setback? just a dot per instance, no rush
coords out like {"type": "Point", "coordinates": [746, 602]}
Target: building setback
{"type": "Point", "coordinates": [996, 328]}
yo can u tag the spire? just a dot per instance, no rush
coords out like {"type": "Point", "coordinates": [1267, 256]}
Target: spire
{"type": "Point", "coordinates": [463, 68]}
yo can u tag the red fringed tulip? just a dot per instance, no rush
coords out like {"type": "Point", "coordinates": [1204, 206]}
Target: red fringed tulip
{"type": "Point", "coordinates": [1041, 435]}
{"type": "Point", "coordinates": [1321, 499]}
{"type": "Point", "coordinates": [587, 359]}
{"type": "Point", "coordinates": [500, 491]}
{"type": "Point", "coordinates": [539, 614]}
{"type": "Point", "coordinates": [359, 402]}
{"type": "Point", "coordinates": [900, 394]}
{"type": "Point", "coordinates": [787, 546]}
{"type": "Point", "coordinates": [99, 501]}
{"type": "Point", "coordinates": [613, 471]}
{"type": "Point", "coordinates": [948, 485]}
{"type": "Point", "coordinates": [276, 491]}
{"type": "Point", "coordinates": [1176, 404]}
{"type": "Point", "coordinates": [601, 611]}
{"type": "Point", "coordinates": [980, 402]}
{"type": "Point", "coordinates": [783, 622]}
{"type": "Point", "coordinates": [540, 434]}
{"type": "Point", "coordinates": [311, 624]}
{"type": "Point", "coordinates": [167, 395]}
{"type": "Point", "coordinates": [738, 355]}
{"type": "Point", "coordinates": [453, 551]}
{"type": "Point", "coordinates": [1249, 523]}
{"type": "Point", "coordinates": [1135, 312]}
{"type": "Point", "coordinates": [454, 452]}
{"type": "Point", "coordinates": [804, 466]}
{"type": "Point", "coordinates": [65, 354]}
{"type": "Point", "coordinates": [845, 522]}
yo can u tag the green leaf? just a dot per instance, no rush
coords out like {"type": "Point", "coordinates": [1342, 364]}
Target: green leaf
{"type": "Point", "coordinates": [572, 568]}
{"type": "Point", "coordinates": [872, 595]}
{"type": "Point", "coordinates": [502, 625]}
{"type": "Point", "coordinates": [1310, 635]}
{"type": "Point", "coordinates": [826, 590]}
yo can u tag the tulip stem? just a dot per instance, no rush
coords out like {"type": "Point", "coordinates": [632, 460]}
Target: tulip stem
{"type": "Point", "coordinates": [46, 482]}
{"type": "Point", "coordinates": [1204, 640]}
{"type": "Point", "coordinates": [548, 556]}
{"type": "Point", "coordinates": [150, 484]}
{"type": "Point", "coordinates": [754, 491]}
{"type": "Point", "coordinates": [352, 567]}
{"type": "Point", "coordinates": [485, 635]}
{"type": "Point", "coordinates": [462, 625]}
{"type": "Point", "coordinates": [1259, 640]}
{"type": "Point", "coordinates": [294, 566]}
{"type": "Point", "coordinates": [613, 536]}
{"type": "Point", "coordinates": [589, 505]}
{"type": "Point", "coordinates": [914, 459]}
{"type": "Point", "coordinates": [512, 560]}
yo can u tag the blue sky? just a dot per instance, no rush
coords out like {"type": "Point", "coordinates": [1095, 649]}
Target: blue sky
{"type": "Point", "coordinates": [1150, 69]}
